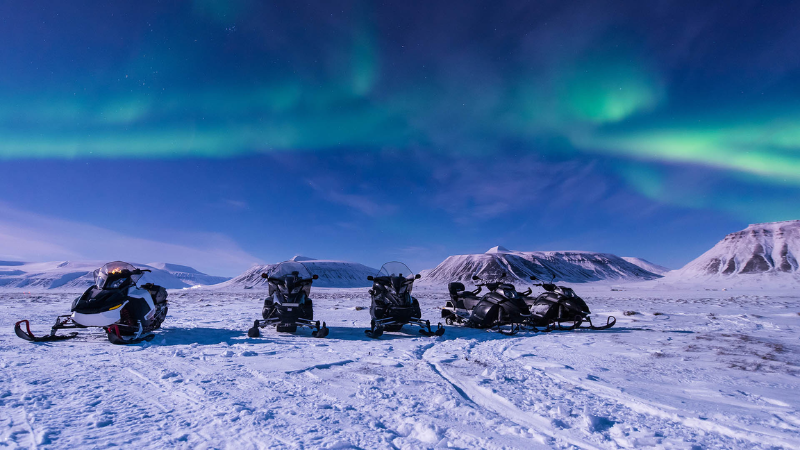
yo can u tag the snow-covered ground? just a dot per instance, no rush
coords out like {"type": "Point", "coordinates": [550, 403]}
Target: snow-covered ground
{"type": "Point", "coordinates": [684, 368]}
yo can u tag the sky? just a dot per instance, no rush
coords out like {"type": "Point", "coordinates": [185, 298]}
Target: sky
{"type": "Point", "coordinates": [219, 134]}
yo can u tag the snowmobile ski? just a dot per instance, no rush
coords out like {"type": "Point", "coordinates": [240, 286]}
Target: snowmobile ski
{"type": "Point", "coordinates": [320, 332]}
{"type": "Point", "coordinates": [28, 335]}
{"type": "Point", "coordinates": [117, 338]}
{"type": "Point", "coordinates": [375, 331]}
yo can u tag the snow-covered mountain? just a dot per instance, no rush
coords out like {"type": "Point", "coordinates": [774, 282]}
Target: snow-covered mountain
{"type": "Point", "coordinates": [762, 248]}
{"type": "Point", "coordinates": [647, 265]}
{"type": "Point", "coordinates": [78, 275]}
{"type": "Point", "coordinates": [189, 275]}
{"type": "Point", "coordinates": [331, 273]}
{"type": "Point", "coordinates": [567, 266]}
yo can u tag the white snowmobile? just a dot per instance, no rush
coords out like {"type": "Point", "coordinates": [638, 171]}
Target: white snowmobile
{"type": "Point", "coordinates": [392, 304]}
{"type": "Point", "coordinates": [128, 313]}
{"type": "Point", "coordinates": [288, 305]}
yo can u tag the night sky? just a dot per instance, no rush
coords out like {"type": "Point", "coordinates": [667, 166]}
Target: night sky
{"type": "Point", "coordinates": [218, 134]}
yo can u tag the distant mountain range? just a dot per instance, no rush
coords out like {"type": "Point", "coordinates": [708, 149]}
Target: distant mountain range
{"type": "Point", "coordinates": [78, 275]}
{"type": "Point", "coordinates": [331, 273]}
{"type": "Point", "coordinates": [565, 266]}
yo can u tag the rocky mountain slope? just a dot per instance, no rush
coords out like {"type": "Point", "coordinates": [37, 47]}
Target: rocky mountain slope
{"type": "Point", "coordinates": [763, 248]}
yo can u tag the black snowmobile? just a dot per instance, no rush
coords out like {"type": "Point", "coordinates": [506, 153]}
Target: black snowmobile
{"type": "Point", "coordinates": [288, 305]}
{"type": "Point", "coordinates": [560, 304]}
{"type": "Point", "coordinates": [501, 307]}
{"type": "Point", "coordinates": [392, 304]}
{"type": "Point", "coordinates": [128, 313]}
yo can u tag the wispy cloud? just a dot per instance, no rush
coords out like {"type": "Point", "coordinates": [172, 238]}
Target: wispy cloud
{"type": "Point", "coordinates": [34, 237]}
{"type": "Point", "coordinates": [364, 203]}
{"type": "Point", "coordinates": [482, 189]}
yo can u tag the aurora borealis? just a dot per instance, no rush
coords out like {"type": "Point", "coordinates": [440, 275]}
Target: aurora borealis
{"type": "Point", "coordinates": [445, 127]}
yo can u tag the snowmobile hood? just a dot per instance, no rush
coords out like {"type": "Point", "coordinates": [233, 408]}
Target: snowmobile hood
{"type": "Point", "coordinates": [96, 300]}
{"type": "Point", "coordinates": [100, 319]}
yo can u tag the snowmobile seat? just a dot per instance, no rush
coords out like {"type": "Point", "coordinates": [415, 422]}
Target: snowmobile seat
{"type": "Point", "coordinates": [159, 293]}
{"type": "Point", "coordinates": [455, 288]}
{"type": "Point", "coordinates": [461, 297]}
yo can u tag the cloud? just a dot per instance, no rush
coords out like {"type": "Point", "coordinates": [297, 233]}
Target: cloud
{"type": "Point", "coordinates": [364, 203]}
{"type": "Point", "coordinates": [34, 237]}
{"type": "Point", "coordinates": [485, 188]}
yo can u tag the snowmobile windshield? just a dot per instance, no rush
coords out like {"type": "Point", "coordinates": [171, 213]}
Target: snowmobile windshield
{"type": "Point", "coordinates": [508, 290]}
{"type": "Point", "coordinates": [568, 292]}
{"type": "Point", "coordinates": [116, 274]}
{"type": "Point", "coordinates": [289, 276]}
{"type": "Point", "coordinates": [398, 276]}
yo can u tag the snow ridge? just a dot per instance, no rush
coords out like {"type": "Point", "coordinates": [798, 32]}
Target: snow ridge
{"type": "Point", "coordinates": [189, 275]}
{"type": "Point", "coordinates": [647, 265]}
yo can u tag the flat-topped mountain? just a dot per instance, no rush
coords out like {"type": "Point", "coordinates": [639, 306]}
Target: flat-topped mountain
{"type": "Point", "coordinates": [566, 266]}
{"type": "Point", "coordinates": [331, 274]}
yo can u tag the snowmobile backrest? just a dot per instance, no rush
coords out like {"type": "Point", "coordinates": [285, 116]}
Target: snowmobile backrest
{"type": "Point", "coordinates": [159, 293]}
{"type": "Point", "coordinates": [455, 287]}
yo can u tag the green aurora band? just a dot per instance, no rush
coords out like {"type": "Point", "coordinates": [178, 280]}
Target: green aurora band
{"type": "Point", "coordinates": [612, 105]}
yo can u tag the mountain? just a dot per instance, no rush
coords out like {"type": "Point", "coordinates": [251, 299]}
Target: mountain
{"type": "Point", "coordinates": [762, 248]}
{"type": "Point", "coordinates": [78, 275]}
{"type": "Point", "coordinates": [189, 275]}
{"type": "Point", "coordinates": [567, 266]}
{"type": "Point", "coordinates": [341, 274]}
{"type": "Point", "coordinates": [647, 265]}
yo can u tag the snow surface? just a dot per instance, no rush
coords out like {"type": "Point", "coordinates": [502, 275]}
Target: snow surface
{"type": "Point", "coordinates": [684, 368]}
{"type": "Point", "coordinates": [647, 265]}
{"type": "Point", "coordinates": [567, 266]}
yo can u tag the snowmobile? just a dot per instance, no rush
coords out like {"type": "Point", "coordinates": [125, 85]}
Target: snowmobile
{"type": "Point", "coordinates": [128, 313]}
{"type": "Point", "coordinates": [501, 307]}
{"type": "Point", "coordinates": [288, 305]}
{"type": "Point", "coordinates": [392, 304]}
{"type": "Point", "coordinates": [560, 304]}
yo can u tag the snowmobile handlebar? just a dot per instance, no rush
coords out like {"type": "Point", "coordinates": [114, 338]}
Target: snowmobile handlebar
{"type": "Point", "coordinates": [280, 280]}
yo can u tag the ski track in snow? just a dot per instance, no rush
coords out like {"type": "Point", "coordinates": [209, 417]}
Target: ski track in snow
{"type": "Point", "coordinates": [689, 370]}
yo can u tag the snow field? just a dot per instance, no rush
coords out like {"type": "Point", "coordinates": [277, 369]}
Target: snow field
{"type": "Point", "coordinates": [690, 369]}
